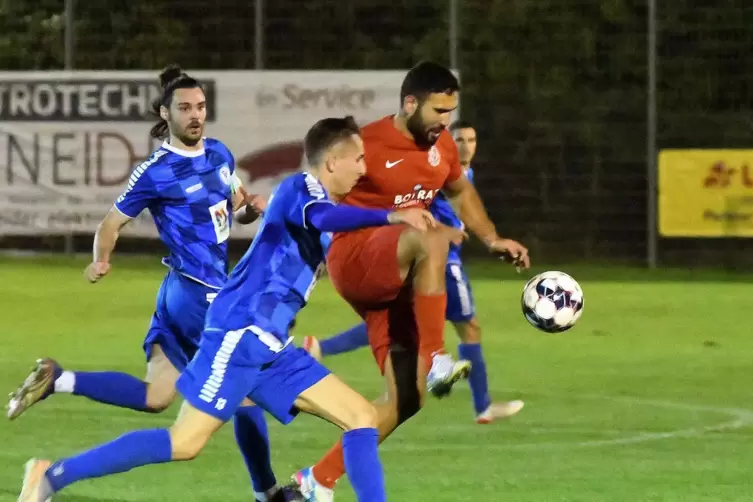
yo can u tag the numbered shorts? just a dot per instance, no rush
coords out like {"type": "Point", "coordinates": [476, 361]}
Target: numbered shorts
{"type": "Point", "coordinates": [248, 362]}
{"type": "Point", "coordinates": [460, 306]}
{"type": "Point", "coordinates": [363, 268]}
{"type": "Point", "coordinates": [178, 318]}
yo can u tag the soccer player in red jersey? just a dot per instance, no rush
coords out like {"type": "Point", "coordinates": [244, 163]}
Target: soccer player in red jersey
{"type": "Point", "coordinates": [394, 277]}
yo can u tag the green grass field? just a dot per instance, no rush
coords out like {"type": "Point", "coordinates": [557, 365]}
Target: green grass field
{"type": "Point", "coordinates": [647, 399]}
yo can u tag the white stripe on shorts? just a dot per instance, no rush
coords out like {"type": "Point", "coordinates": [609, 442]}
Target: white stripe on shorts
{"type": "Point", "coordinates": [229, 342]}
{"type": "Point", "coordinates": [219, 365]}
{"type": "Point", "coordinates": [464, 293]}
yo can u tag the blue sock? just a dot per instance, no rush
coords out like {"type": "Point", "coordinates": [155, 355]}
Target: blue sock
{"type": "Point", "coordinates": [110, 387]}
{"type": "Point", "coordinates": [477, 379]}
{"type": "Point", "coordinates": [363, 466]}
{"type": "Point", "coordinates": [347, 341]}
{"type": "Point", "coordinates": [253, 441]}
{"type": "Point", "coordinates": [130, 450]}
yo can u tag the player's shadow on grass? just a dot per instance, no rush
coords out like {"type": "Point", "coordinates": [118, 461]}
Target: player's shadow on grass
{"type": "Point", "coordinates": [65, 498]}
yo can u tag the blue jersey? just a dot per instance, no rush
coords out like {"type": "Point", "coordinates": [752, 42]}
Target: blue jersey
{"type": "Point", "coordinates": [273, 280]}
{"type": "Point", "coordinates": [189, 196]}
{"type": "Point", "coordinates": [444, 213]}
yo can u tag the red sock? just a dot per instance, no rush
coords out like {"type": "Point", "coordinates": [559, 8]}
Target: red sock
{"type": "Point", "coordinates": [429, 311]}
{"type": "Point", "coordinates": [331, 467]}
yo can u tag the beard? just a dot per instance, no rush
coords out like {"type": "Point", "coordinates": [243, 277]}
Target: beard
{"type": "Point", "coordinates": [192, 134]}
{"type": "Point", "coordinates": [424, 137]}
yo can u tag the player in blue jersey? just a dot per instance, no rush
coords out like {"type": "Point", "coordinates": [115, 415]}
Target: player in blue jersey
{"type": "Point", "coordinates": [189, 186]}
{"type": "Point", "coordinates": [460, 306]}
{"type": "Point", "coordinates": [245, 349]}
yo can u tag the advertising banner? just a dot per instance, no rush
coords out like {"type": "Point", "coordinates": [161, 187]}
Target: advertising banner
{"type": "Point", "coordinates": [69, 140]}
{"type": "Point", "coordinates": [706, 193]}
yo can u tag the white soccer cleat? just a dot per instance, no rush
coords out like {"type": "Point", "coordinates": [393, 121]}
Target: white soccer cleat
{"type": "Point", "coordinates": [310, 488]}
{"type": "Point", "coordinates": [499, 411]}
{"type": "Point", "coordinates": [36, 487]}
{"type": "Point", "coordinates": [444, 373]}
{"type": "Point", "coordinates": [311, 345]}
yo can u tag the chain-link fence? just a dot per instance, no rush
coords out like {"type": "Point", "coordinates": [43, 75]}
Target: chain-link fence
{"type": "Point", "coordinates": [572, 99]}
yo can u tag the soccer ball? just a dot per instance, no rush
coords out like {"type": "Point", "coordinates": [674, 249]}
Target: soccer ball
{"type": "Point", "coordinates": [552, 302]}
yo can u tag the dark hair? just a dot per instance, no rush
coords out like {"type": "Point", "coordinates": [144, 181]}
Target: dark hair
{"type": "Point", "coordinates": [428, 78]}
{"type": "Point", "coordinates": [325, 134]}
{"type": "Point", "coordinates": [170, 79]}
{"type": "Point", "coordinates": [460, 124]}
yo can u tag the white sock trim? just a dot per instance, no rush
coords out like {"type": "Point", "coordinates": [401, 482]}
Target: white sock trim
{"type": "Point", "coordinates": [66, 382]}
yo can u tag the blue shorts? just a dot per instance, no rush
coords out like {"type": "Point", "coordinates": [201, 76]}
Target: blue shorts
{"type": "Point", "coordinates": [248, 362]}
{"type": "Point", "coordinates": [460, 307]}
{"type": "Point", "coordinates": [178, 318]}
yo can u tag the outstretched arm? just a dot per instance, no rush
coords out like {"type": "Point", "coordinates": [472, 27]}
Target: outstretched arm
{"type": "Point", "coordinates": [327, 217]}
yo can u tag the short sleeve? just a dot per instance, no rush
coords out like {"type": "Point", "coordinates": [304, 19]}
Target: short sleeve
{"type": "Point", "coordinates": [309, 192]}
{"type": "Point", "coordinates": [138, 195]}
{"type": "Point", "coordinates": [235, 181]}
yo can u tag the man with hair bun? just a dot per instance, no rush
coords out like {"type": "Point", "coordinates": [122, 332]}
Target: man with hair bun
{"type": "Point", "coordinates": [189, 186]}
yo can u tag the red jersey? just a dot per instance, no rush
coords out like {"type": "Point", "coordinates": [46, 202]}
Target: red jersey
{"type": "Point", "coordinates": [399, 174]}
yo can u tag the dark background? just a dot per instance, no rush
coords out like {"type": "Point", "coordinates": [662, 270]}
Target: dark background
{"type": "Point", "coordinates": [557, 89]}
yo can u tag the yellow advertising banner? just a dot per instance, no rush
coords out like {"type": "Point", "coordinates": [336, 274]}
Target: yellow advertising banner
{"type": "Point", "coordinates": [706, 193]}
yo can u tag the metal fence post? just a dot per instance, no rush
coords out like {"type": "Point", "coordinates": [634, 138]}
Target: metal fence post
{"type": "Point", "coordinates": [70, 7]}
{"type": "Point", "coordinates": [651, 143]}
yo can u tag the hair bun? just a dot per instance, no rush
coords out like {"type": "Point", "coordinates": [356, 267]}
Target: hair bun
{"type": "Point", "coordinates": [169, 74]}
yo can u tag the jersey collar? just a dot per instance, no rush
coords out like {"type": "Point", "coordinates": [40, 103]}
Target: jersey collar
{"type": "Point", "coordinates": [183, 153]}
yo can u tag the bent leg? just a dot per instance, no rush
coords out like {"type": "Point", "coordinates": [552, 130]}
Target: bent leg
{"type": "Point", "coordinates": [423, 257]}
{"type": "Point", "coordinates": [183, 441]}
{"type": "Point", "coordinates": [154, 394]}
{"type": "Point", "coordinates": [402, 400]}
{"type": "Point", "coordinates": [337, 403]}
{"type": "Point", "coordinates": [48, 378]}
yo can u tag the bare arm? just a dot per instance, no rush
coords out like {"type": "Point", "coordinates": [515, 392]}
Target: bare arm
{"type": "Point", "coordinates": [104, 244]}
{"type": "Point", "coordinates": [242, 213]}
{"type": "Point", "coordinates": [247, 208]}
{"type": "Point", "coordinates": [107, 235]}
{"type": "Point", "coordinates": [471, 211]}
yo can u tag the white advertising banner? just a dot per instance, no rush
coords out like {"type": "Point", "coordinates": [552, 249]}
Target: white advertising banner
{"type": "Point", "coordinates": [69, 140]}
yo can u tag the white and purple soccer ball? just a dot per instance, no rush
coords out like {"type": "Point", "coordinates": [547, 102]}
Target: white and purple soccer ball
{"type": "Point", "coordinates": [552, 302]}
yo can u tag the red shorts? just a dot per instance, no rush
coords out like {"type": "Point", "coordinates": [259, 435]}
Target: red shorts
{"type": "Point", "coordinates": [364, 269]}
